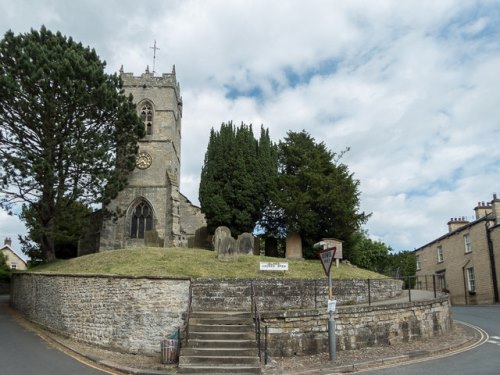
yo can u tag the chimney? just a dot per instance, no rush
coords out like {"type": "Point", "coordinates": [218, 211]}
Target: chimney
{"type": "Point", "coordinates": [456, 223]}
{"type": "Point", "coordinates": [482, 209]}
{"type": "Point", "coordinates": [495, 208]}
{"type": "Point", "coordinates": [7, 242]}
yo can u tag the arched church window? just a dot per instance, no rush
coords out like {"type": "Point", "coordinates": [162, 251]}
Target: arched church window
{"type": "Point", "coordinates": [147, 117]}
{"type": "Point", "coordinates": [142, 220]}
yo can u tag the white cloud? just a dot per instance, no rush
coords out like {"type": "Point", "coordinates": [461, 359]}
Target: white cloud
{"type": "Point", "coordinates": [411, 87]}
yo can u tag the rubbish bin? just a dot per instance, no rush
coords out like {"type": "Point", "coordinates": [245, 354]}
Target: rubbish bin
{"type": "Point", "coordinates": [169, 351]}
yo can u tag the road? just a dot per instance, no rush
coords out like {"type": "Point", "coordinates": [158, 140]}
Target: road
{"type": "Point", "coordinates": [24, 353]}
{"type": "Point", "coordinates": [484, 359]}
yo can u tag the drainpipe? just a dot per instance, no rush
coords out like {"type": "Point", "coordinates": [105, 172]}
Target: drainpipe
{"type": "Point", "coordinates": [465, 282]}
{"type": "Point", "coordinates": [492, 262]}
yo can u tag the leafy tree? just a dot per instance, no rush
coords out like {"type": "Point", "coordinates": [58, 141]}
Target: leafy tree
{"type": "Point", "coordinates": [369, 254]}
{"type": "Point", "coordinates": [67, 132]}
{"type": "Point", "coordinates": [237, 177]}
{"type": "Point", "coordinates": [402, 264]}
{"type": "Point", "coordinates": [68, 230]}
{"type": "Point", "coordinates": [4, 267]}
{"type": "Point", "coordinates": [316, 196]}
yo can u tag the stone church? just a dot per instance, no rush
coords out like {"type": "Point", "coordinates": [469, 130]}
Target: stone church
{"type": "Point", "coordinates": [154, 212]}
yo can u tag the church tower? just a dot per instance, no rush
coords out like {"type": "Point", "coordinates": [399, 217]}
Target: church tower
{"type": "Point", "coordinates": [151, 202]}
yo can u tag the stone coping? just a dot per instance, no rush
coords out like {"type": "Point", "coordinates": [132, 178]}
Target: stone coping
{"type": "Point", "coordinates": [103, 276]}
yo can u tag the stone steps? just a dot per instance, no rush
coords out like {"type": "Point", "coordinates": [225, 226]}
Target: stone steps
{"type": "Point", "coordinates": [220, 343]}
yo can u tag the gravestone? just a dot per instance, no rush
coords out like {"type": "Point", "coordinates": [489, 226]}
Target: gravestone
{"type": "Point", "coordinates": [271, 247]}
{"type": "Point", "coordinates": [293, 246]}
{"type": "Point", "coordinates": [228, 249]}
{"type": "Point", "coordinates": [220, 233]}
{"type": "Point", "coordinates": [245, 243]}
{"type": "Point", "coordinates": [151, 239]}
{"type": "Point", "coordinates": [256, 246]}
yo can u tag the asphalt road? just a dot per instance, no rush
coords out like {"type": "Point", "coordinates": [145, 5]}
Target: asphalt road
{"type": "Point", "coordinates": [24, 353]}
{"type": "Point", "coordinates": [483, 360]}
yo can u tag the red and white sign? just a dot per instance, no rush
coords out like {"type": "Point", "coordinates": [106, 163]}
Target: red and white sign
{"type": "Point", "coordinates": [326, 256]}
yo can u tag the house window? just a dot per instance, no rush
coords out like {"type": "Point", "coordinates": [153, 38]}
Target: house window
{"type": "Point", "coordinates": [13, 266]}
{"type": "Point", "coordinates": [471, 280]}
{"type": "Point", "coordinates": [147, 117]}
{"type": "Point", "coordinates": [468, 244]}
{"type": "Point", "coordinates": [419, 266]}
{"type": "Point", "coordinates": [142, 220]}
{"type": "Point", "coordinates": [440, 254]}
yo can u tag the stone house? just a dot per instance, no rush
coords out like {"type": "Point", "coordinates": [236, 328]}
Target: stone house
{"type": "Point", "coordinates": [14, 261]}
{"type": "Point", "coordinates": [155, 213]}
{"type": "Point", "coordinates": [466, 260]}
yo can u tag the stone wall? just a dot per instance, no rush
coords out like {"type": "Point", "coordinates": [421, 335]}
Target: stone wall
{"type": "Point", "coordinates": [305, 332]}
{"type": "Point", "coordinates": [133, 315]}
{"type": "Point", "coordinates": [126, 314]}
{"type": "Point", "coordinates": [288, 294]}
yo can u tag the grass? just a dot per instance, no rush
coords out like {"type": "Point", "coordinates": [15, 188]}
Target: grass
{"type": "Point", "coordinates": [193, 263]}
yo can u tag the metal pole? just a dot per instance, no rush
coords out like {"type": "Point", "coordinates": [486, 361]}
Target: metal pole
{"type": "Point", "coordinates": [265, 346]}
{"type": "Point", "coordinates": [331, 322]}
{"type": "Point", "coordinates": [409, 288]}
{"type": "Point", "coordinates": [369, 294]}
{"type": "Point", "coordinates": [434, 284]}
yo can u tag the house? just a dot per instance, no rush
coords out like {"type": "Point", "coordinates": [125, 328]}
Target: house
{"type": "Point", "coordinates": [14, 261]}
{"type": "Point", "coordinates": [465, 261]}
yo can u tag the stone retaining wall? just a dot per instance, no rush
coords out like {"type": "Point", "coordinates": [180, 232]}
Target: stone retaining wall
{"type": "Point", "coordinates": [288, 294]}
{"type": "Point", "coordinates": [304, 332]}
{"type": "Point", "coordinates": [133, 314]}
{"type": "Point", "coordinates": [126, 314]}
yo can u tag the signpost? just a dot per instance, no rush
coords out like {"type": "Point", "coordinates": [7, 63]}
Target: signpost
{"type": "Point", "coordinates": [327, 256]}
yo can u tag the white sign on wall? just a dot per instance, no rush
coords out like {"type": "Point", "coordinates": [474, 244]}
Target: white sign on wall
{"type": "Point", "coordinates": [274, 266]}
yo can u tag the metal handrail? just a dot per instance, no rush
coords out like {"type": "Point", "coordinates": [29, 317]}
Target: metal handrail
{"type": "Point", "coordinates": [190, 309]}
{"type": "Point", "coordinates": [256, 318]}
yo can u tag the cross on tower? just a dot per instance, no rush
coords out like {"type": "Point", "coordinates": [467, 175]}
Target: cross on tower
{"type": "Point", "coordinates": [154, 48]}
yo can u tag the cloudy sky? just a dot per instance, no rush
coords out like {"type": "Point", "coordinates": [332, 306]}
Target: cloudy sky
{"type": "Point", "coordinates": [412, 87]}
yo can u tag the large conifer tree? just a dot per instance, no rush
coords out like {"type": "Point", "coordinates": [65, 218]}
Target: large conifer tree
{"type": "Point", "coordinates": [237, 177]}
{"type": "Point", "coordinates": [67, 132]}
{"type": "Point", "coordinates": [316, 196]}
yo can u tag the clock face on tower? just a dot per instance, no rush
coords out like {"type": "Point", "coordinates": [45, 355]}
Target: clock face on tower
{"type": "Point", "coordinates": [143, 160]}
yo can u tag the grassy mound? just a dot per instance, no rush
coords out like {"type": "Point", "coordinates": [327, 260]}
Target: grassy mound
{"type": "Point", "coordinates": [194, 263]}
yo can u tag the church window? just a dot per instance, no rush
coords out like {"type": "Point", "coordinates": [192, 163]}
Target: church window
{"type": "Point", "coordinates": [142, 220]}
{"type": "Point", "coordinates": [147, 117]}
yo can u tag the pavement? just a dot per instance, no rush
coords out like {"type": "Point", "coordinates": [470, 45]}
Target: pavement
{"type": "Point", "coordinates": [463, 337]}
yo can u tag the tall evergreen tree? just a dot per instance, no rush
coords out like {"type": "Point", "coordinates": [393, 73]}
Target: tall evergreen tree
{"type": "Point", "coordinates": [316, 196]}
{"type": "Point", "coordinates": [236, 177]}
{"type": "Point", "coordinates": [67, 132]}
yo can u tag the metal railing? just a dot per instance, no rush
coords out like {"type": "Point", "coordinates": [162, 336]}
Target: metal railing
{"type": "Point", "coordinates": [256, 318]}
{"type": "Point", "coordinates": [190, 309]}
{"type": "Point", "coordinates": [421, 282]}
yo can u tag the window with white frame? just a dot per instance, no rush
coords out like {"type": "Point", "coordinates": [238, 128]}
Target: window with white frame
{"type": "Point", "coordinates": [440, 254]}
{"type": "Point", "coordinates": [471, 280]}
{"type": "Point", "coordinates": [419, 266]}
{"type": "Point", "coordinates": [468, 244]}
{"type": "Point", "coordinates": [13, 266]}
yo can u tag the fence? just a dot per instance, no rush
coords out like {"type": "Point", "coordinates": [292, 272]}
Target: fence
{"type": "Point", "coordinates": [422, 282]}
